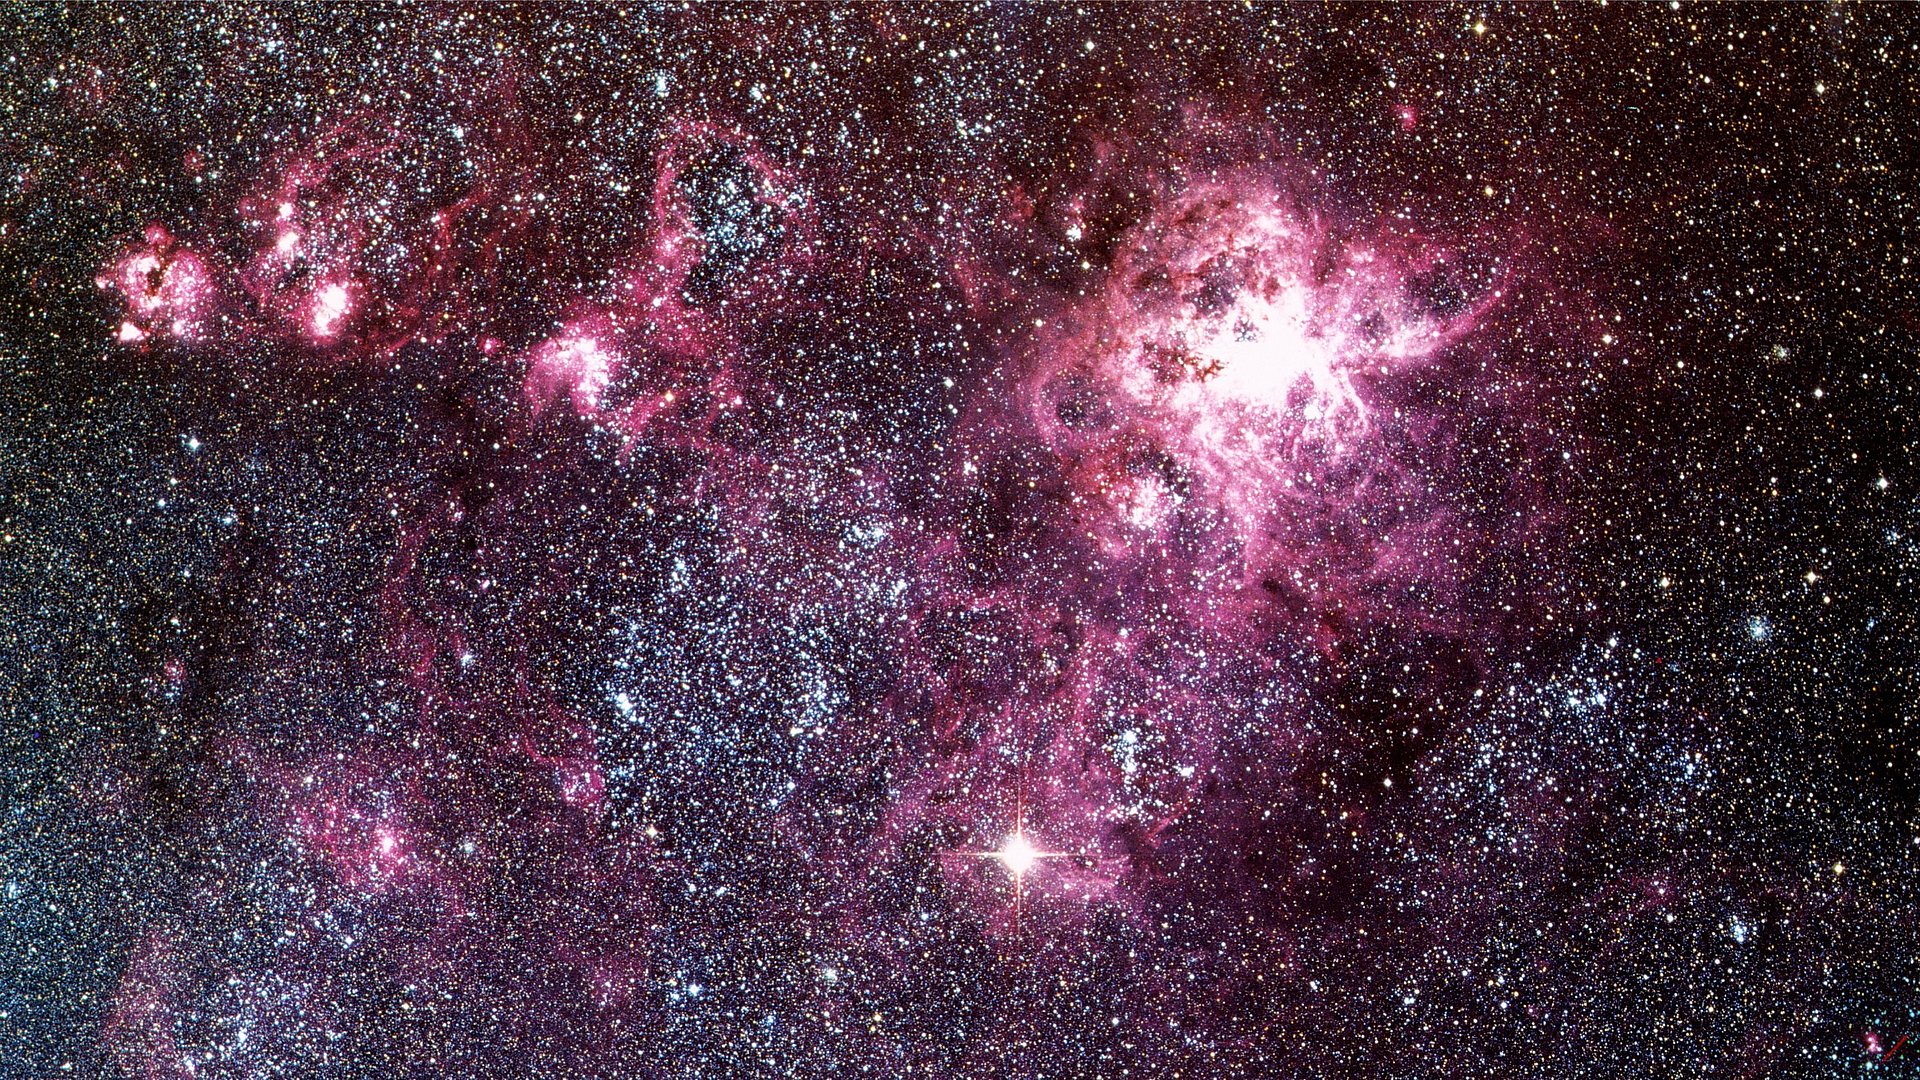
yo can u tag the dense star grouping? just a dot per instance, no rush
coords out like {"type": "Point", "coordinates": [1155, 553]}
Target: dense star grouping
{"type": "Point", "coordinates": [951, 541]}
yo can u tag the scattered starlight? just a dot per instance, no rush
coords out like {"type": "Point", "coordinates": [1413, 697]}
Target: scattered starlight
{"type": "Point", "coordinates": [1154, 541]}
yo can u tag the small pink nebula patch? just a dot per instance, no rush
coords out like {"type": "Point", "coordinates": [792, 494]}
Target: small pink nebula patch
{"type": "Point", "coordinates": [576, 362]}
{"type": "Point", "coordinates": [168, 290]}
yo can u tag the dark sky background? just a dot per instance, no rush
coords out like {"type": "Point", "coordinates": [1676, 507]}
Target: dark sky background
{"type": "Point", "coordinates": [1135, 540]}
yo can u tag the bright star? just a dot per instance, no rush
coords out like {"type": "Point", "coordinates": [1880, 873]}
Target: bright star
{"type": "Point", "coordinates": [1018, 855]}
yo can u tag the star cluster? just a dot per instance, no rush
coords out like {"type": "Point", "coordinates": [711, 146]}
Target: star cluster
{"type": "Point", "coordinates": [1154, 541]}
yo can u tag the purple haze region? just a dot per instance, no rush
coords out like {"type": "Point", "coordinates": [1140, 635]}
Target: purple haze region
{"type": "Point", "coordinates": [955, 541]}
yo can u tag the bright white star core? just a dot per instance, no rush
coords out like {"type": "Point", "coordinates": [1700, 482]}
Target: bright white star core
{"type": "Point", "coordinates": [1017, 854]}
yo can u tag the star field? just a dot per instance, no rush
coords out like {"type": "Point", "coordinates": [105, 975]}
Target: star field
{"type": "Point", "coordinates": [958, 540]}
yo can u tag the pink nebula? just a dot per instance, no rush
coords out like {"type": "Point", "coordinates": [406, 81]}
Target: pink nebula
{"type": "Point", "coordinates": [168, 289]}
